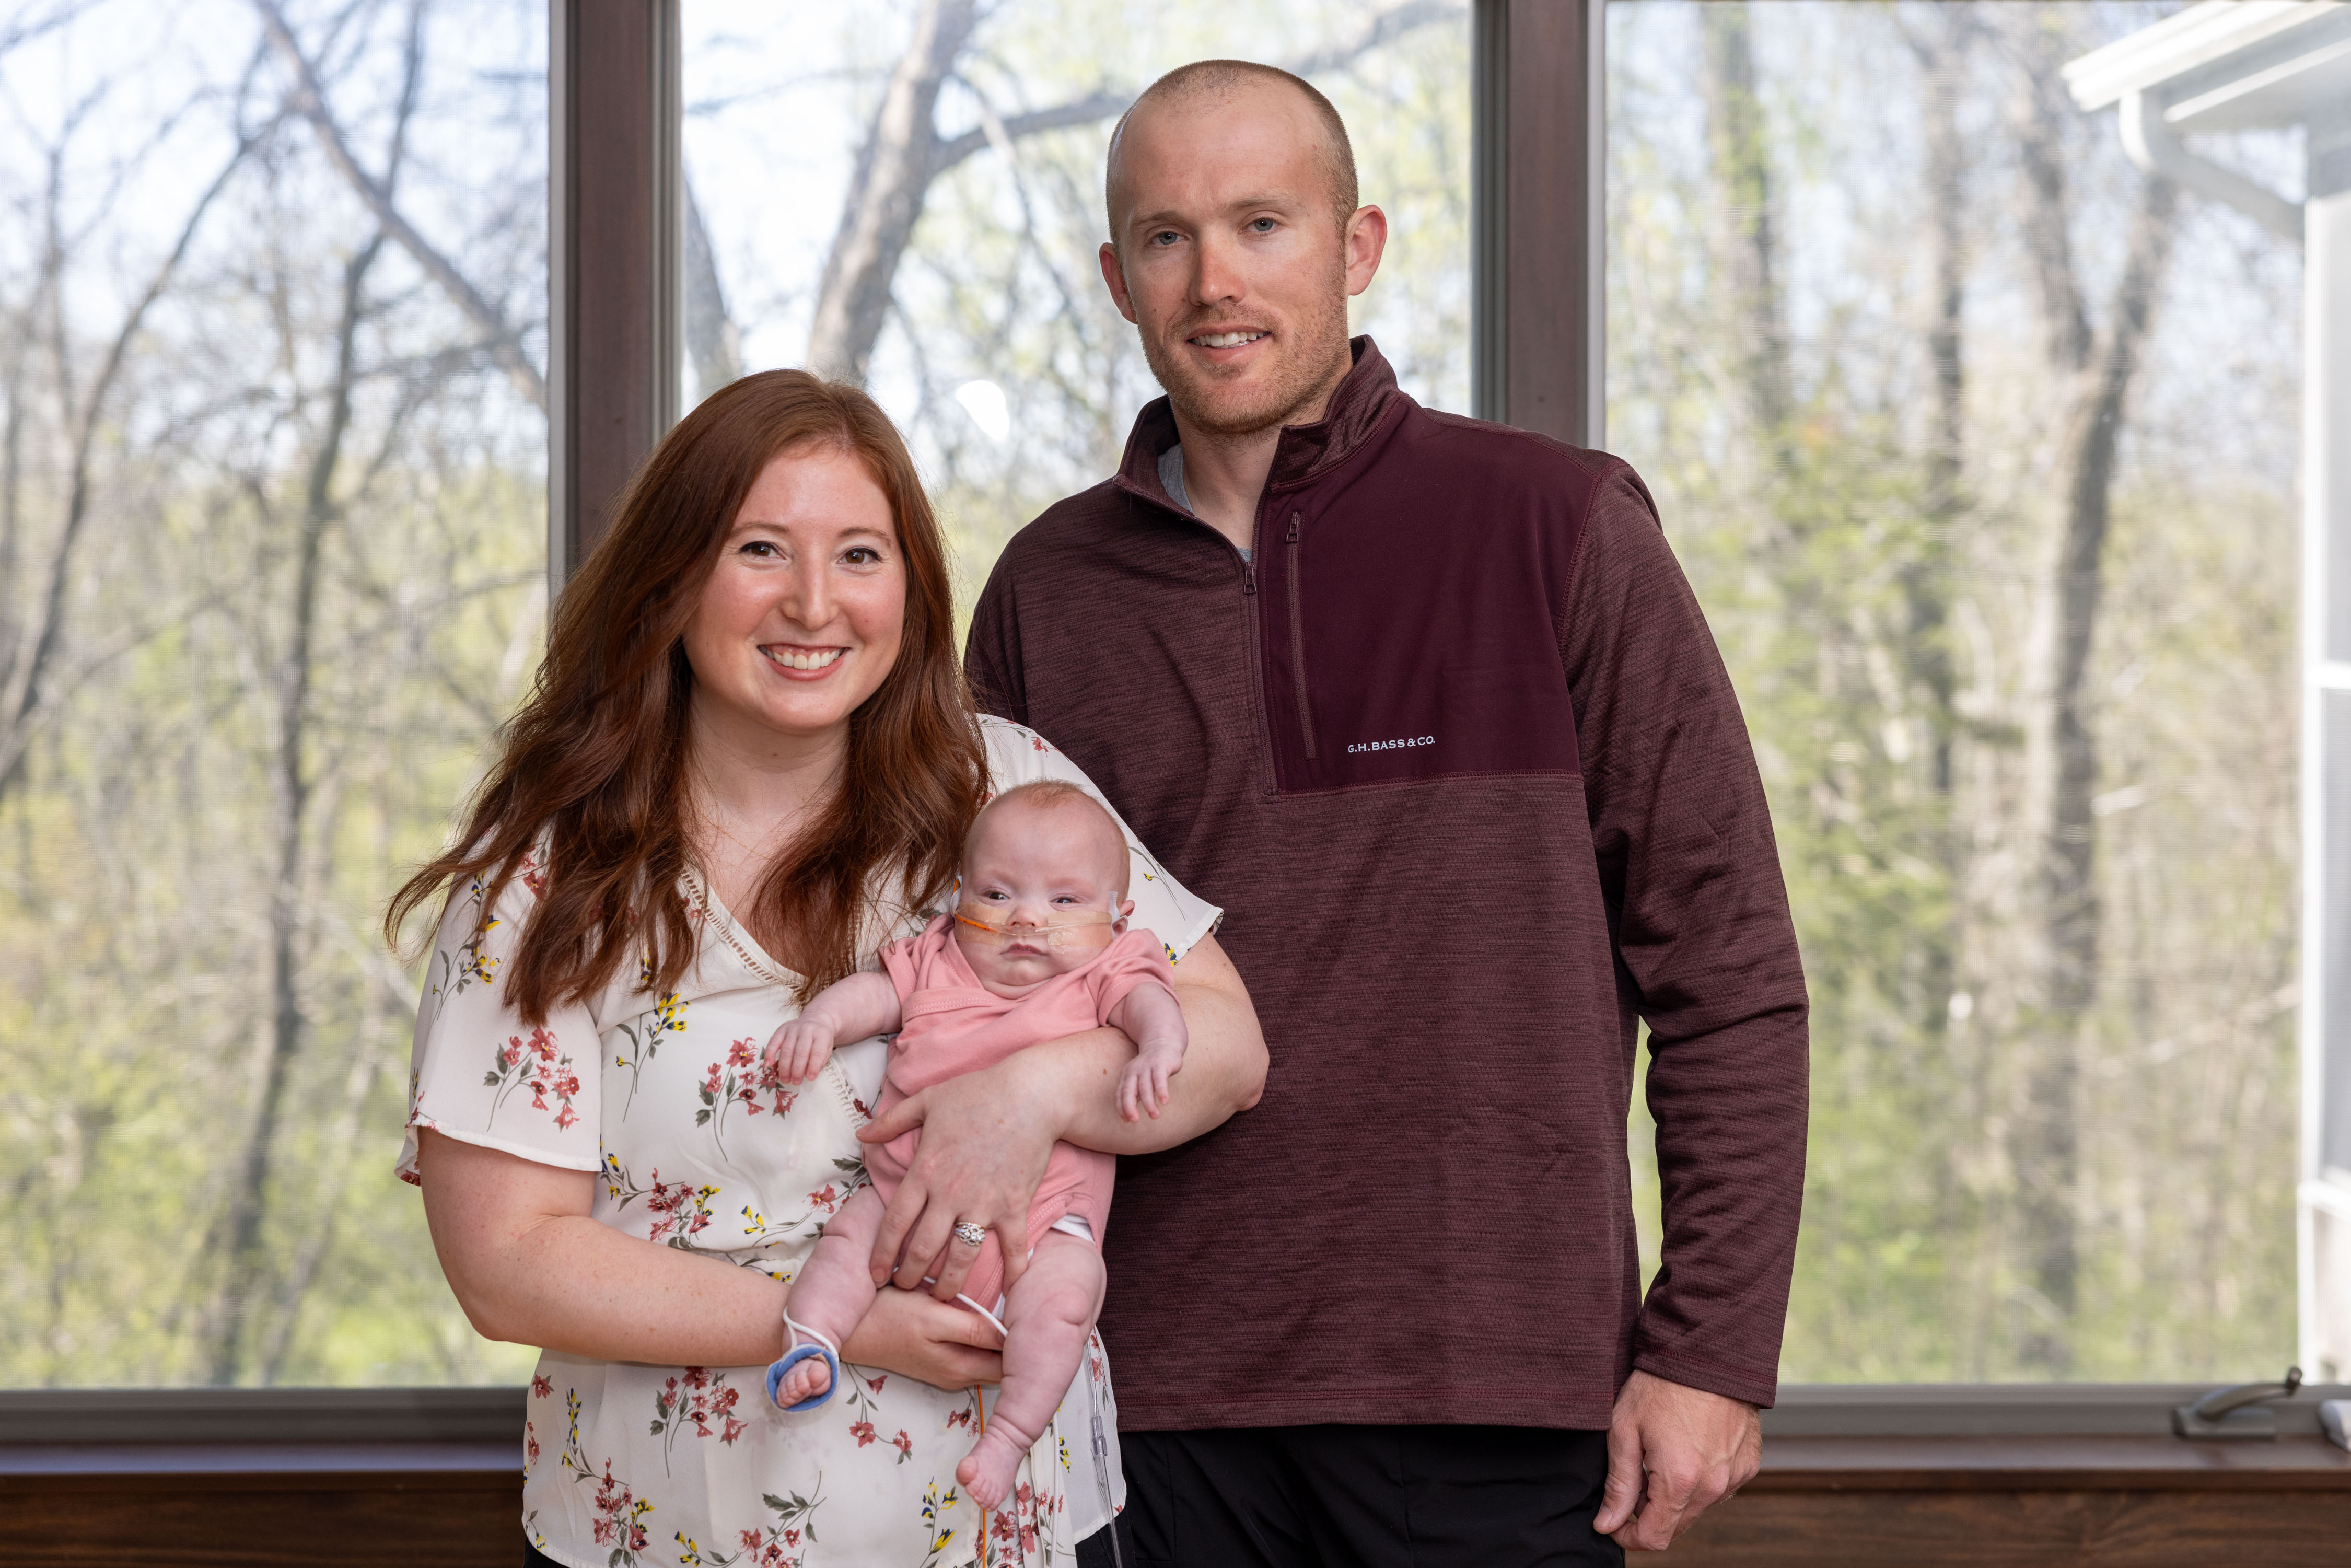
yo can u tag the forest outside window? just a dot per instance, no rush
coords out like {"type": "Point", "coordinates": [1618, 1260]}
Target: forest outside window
{"type": "Point", "coordinates": [272, 564]}
{"type": "Point", "coordinates": [1978, 444]}
{"type": "Point", "coordinates": [1971, 439]}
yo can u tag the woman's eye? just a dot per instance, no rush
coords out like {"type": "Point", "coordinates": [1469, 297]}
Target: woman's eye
{"type": "Point", "coordinates": [861, 555]}
{"type": "Point", "coordinates": [763, 549]}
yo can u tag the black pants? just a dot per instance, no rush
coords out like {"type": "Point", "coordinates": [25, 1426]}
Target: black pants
{"type": "Point", "coordinates": [1380, 1497]}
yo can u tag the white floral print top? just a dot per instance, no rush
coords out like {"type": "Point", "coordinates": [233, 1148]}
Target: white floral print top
{"type": "Point", "coordinates": [663, 1097]}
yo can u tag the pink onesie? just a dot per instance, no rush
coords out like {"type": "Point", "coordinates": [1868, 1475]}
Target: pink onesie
{"type": "Point", "coordinates": [952, 1025]}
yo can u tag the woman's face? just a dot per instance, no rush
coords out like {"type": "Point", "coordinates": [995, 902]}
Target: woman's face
{"type": "Point", "coordinates": [802, 617]}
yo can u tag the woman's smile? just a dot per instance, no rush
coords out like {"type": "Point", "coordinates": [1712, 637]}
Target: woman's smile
{"type": "Point", "coordinates": [803, 664]}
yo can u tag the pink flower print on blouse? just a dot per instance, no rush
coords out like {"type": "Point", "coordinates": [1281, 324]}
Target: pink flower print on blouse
{"type": "Point", "coordinates": [620, 1523]}
{"type": "Point", "coordinates": [779, 1545]}
{"type": "Point", "coordinates": [539, 1064]}
{"type": "Point", "coordinates": [700, 1396]}
{"type": "Point", "coordinates": [738, 1081]}
{"type": "Point", "coordinates": [681, 1210]}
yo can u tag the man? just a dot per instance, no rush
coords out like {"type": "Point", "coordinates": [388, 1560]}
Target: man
{"type": "Point", "coordinates": [1427, 706]}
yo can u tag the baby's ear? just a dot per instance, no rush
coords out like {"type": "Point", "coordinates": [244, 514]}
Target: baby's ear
{"type": "Point", "coordinates": [1125, 908]}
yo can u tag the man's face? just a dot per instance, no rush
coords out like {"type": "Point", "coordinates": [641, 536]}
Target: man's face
{"type": "Point", "coordinates": [1230, 260]}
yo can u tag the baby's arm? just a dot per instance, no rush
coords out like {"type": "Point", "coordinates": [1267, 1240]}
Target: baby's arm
{"type": "Point", "coordinates": [847, 1010]}
{"type": "Point", "coordinates": [1151, 1016]}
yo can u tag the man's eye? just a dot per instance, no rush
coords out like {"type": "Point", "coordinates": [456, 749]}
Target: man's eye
{"type": "Point", "coordinates": [1262, 225]}
{"type": "Point", "coordinates": [1166, 237]}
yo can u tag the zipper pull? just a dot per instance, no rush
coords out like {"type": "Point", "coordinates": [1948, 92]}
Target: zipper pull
{"type": "Point", "coordinates": [1249, 577]}
{"type": "Point", "coordinates": [1293, 530]}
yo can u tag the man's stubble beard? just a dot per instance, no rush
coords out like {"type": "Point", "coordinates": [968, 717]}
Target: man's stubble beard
{"type": "Point", "coordinates": [1302, 377]}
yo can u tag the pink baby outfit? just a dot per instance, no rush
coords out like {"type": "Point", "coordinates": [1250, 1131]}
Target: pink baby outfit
{"type": "Point", "coordinates": [954, 1025]}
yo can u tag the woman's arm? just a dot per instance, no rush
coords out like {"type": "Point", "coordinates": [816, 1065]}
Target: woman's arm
{"type": "Point", "coordinates": [529, 1265]}
{"type": "Point", "coordinates": [987, 1134]}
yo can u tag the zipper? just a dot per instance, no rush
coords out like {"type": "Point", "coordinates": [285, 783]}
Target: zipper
{"type": "Point", "coordinates": [1298, 642]}
{"type": "Point", "coordinates": [1257, 671]}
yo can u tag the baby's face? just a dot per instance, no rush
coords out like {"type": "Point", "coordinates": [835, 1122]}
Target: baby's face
{"type": "Point", "coordinates": [1029, 867]}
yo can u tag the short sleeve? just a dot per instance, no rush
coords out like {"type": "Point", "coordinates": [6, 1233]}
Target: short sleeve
{"type": "Point", "coordinates": [1163, 905]}
{"type": "Point", "coordinates": [908, 960]}
{"type": "Point", "coordinates": [477, 1072]}
{"type": "Point", "coordinates": [1134, 959]}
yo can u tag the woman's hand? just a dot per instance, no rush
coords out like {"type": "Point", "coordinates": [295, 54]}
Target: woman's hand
{"type": "Point", "coordinates": [908, 1332]}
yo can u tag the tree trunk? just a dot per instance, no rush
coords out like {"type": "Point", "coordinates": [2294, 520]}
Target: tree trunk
{"type": "Point", "coordinates": [1747, 245]}
{"type": "Point", "coordinates": [245, 1333]}
{"type": "Point", "coordinates": [885, 196]}
{"type": "Point", "coordinates": [2101, 367]}
{"type": "Point", "coordinates": [711, 340]}
{"type": "Point", "coordinates": [243, 1288]}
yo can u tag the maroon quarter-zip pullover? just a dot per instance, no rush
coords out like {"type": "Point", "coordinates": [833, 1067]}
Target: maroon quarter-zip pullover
{"type": "Point", "coordinates": [1456, 754]}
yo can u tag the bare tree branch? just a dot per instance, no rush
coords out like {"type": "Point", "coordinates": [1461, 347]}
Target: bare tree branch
{"type": "Point", "coordinates": [26, 692]}
{"type": "Point", "coordinates": [505, 344]}
{"type": "Point", "coordinates": [894, 169]}
{"type": "Point", "coordinates": [903, 152]}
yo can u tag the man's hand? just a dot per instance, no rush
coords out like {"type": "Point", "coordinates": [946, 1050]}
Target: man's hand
{"type": "Point", "coordinates": [985, 1138]}
{"type": "Point", "coordinates": [1693, 1448]}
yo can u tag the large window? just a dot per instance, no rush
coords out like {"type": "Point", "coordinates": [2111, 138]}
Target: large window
{"type": "Point", "coordinates": [944, 253]}
{"type": "Point", "coordinates": [1980, 449]}
{"type": "Point", "coordinates": [272, 564]}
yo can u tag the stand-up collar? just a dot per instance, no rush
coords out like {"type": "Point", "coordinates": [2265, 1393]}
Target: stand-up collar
{"type": "Point", "coordinates": [1306, 450]}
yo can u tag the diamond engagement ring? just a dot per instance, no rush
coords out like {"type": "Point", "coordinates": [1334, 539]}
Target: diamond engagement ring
{"type": "Point", "coordinates": [970, 1235]}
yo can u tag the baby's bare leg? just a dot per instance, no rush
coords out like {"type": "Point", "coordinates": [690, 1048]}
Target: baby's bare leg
{"type": "Point", "coordinates": [832, 1290]}
{"type": "Point", "coordinates": [1047, 1317]}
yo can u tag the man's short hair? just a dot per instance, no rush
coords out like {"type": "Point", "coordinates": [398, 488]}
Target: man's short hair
{"type": "Point", "coordinates": [1214, 78]}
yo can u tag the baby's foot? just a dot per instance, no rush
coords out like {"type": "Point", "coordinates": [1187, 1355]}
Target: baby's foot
{"type": "Point", "coordinates": [988, 1470]}
{"type": "Point", "coordinates": [809, 1377]}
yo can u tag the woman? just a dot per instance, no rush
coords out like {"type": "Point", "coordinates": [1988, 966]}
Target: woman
{"type": "Point", "coordinates": [750, 704]}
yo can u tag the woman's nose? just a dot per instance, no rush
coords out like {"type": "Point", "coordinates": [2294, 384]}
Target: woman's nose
{"type": "Point", "coordinates": [808, 598]}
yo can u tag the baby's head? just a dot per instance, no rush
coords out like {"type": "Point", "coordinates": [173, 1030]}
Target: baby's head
{"type": "Point", "coordinates": [1044, 883]}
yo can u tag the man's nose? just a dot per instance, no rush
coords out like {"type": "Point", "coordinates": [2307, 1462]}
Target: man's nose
{"type": "Point", "coordinates": [1216, 275]}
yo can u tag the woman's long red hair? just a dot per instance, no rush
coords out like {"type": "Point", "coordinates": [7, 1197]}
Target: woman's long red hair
{"type": "Point", "coordinates": [597, 759]}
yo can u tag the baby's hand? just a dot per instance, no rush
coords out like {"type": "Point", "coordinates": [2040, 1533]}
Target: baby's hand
{"type": "Point", "coordinates": [798, 1051]}
{"type": "Point", "coordinates": [1143, 1087]}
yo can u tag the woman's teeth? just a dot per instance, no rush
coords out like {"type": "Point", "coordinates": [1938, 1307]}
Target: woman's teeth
{"type": "Point", "coordinates": [798, 661]}
{"type": "Point", "coordinates": [1227, 340]}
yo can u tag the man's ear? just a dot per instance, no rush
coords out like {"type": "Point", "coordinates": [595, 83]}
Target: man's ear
{"type": "Point", "coordinates": [1115, 278]}
{"type": "Point", "coordinates": [1367, 241]}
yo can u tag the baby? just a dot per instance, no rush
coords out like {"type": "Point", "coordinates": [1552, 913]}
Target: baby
{"type": "Point", "coordinates": [1038, 949]}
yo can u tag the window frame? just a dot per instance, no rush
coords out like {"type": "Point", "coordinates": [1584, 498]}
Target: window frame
{"type": "Point", "coordinates": [615, 337]}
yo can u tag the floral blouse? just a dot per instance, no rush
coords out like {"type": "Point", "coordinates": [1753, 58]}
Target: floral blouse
{"type": "Point", "coordinates": [696, 1148]}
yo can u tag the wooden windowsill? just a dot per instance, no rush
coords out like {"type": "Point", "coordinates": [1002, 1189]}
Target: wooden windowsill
{"type": "Point", "coordinates": [2070, 1463]}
